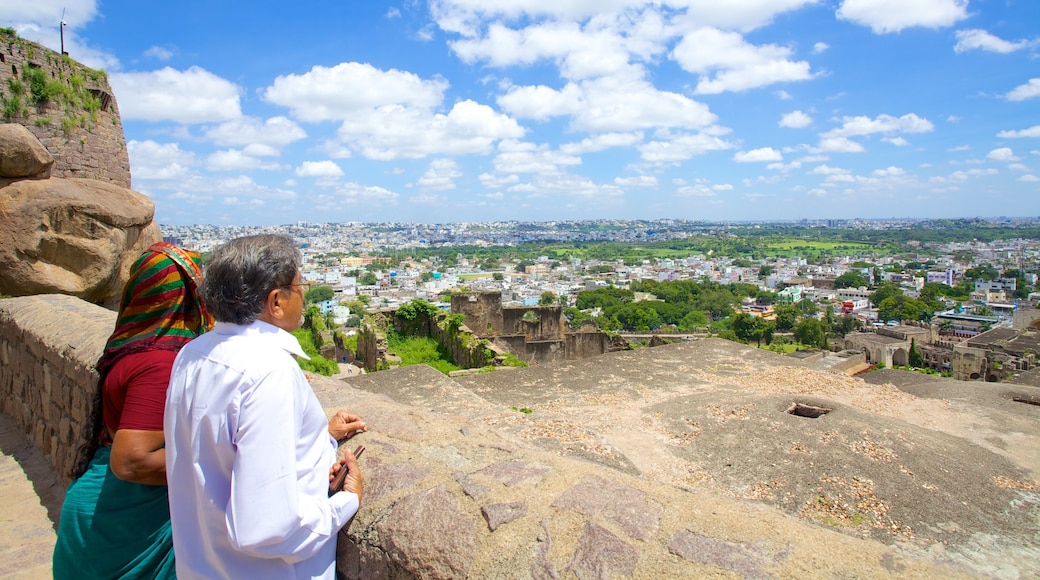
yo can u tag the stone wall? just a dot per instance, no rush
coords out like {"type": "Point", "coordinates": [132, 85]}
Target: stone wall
{"type": "Point", "coordinates": [86, 139]}
{"type": "Point", "coordinates": [483, 311]}
{"type": "Point", "coordinates": [48, 346]}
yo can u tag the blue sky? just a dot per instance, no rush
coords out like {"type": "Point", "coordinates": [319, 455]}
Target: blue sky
{"type": "Point", "coordinates": [268, 113]}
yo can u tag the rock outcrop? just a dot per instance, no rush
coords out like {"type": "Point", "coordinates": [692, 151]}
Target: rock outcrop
{"type": "Point", "coordinates": [69, 236]}
{"type": "Point", "coordinates": [702, 459]}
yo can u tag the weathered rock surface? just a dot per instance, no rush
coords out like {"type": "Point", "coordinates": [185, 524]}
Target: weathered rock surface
{"type": "Point", "coordinates": [676, 461]}
{"type": "Point", "coordinates": [22, 154]}
{"type": "Point", "coordinates": [71, 236]}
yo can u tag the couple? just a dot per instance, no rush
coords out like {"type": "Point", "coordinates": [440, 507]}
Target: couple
{"type": "Point", "coordinates": [243, 443]}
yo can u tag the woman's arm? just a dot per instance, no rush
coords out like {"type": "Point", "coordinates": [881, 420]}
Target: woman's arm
{"type": "Point", "coordinates": [139, 456]}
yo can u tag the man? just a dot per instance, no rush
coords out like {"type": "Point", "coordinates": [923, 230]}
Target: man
{"type": "Point", "coordinates": [249, 453]}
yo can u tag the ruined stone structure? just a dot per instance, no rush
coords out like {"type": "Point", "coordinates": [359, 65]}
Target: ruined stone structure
{"type": "Point", "coordinates": [79, 126]}
{"type": "Point", "coordinates": [700, 459]}
{"type": "Point", "coordinates": [534, 334]}
{"type": "Point", "coordinates": [996, 354]}
{"type": "Point", "coordinates": [888, 345]}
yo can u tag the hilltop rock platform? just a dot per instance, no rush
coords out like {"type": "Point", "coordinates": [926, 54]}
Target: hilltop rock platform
{"type": "Point", "coordinates": [695, 459]}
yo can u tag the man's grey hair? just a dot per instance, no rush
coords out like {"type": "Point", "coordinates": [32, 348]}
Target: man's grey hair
{"type": "Point", "coordinates": [241, 273]}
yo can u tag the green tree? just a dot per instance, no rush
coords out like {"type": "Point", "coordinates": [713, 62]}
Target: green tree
{"type": "Point", "coordinates": [786, 317]}
{"type": "Point", "coordinates": [318, 294]}
{"type": "Point", "coordinates": [843, 325]}
{"type": "Point", "coordinates": [694, 319]}
{"type": "Point", "coordinates": [810, 331]}
{"type": "Point", "coordinates": [807, 307]}
{"type": "Point", "coordinates": [885, 290]}
{"type": "Point", "coordinates": [901, 308]}
{"type": "Point", "coordinates": [850, 280]}
{"type": "Point", "coordinates": [498, 276]}
{"type": "Point", "coordinates": [765, 270]}
{"type": "Point", "coordinates": [547, 299]}
{"type": "Point", "coordinates": [368, 279]}
{"type": "Point", "coordinates": [915, 358]}
{"type": "Point", "coordinates": [425, 277]}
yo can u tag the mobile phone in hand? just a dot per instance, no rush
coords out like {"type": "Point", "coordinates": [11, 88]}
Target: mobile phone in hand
{"type": "Point", "coordinates": [337, 483]}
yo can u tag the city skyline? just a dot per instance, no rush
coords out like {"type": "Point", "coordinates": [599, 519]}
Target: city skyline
{"type": "Point", "coordinates": [463, 111]}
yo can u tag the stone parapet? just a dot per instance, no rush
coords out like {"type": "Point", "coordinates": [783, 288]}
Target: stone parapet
{"type": "Point", "coordinates": [48, 346]}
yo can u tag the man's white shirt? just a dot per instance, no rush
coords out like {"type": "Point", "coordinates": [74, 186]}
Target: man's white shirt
{"type": "Point", "coordinates": [248, 454]}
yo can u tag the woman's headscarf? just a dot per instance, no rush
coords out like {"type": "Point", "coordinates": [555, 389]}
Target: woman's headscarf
{"type": "Point", "coordinates": [160, 308]}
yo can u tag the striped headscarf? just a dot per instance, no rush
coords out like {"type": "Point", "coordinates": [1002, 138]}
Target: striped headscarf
{"type": "Point", "coordinates": [160, 308]}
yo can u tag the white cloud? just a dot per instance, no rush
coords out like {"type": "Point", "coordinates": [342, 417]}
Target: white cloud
{"type": "Point", "coordinates": [820, 47]}
{"type": "Point", "coordinates": [601, 142]}
{"type": "Point", "coordinates": [722, 187]}
{"type": "Point", "coordinates": [1026, 91]}
{"type": "Point", "coordinates": [827, 170]}
{"type": "Point", "coordinates": [159, 53]}
{"type": "Point", "coordinates": [637, 181]}
{"type": "Point", "coordinates": [235, 160]}
{"type": "Point", "coordinates": [1033, 131]}
{"type": "Point", "coordinates": [1018, 167]}
{"type": "Point", "coordinates": [888, 172]}
{"type": "Point", "coordinates": [440, 175]}
{"type": "Point", "coordinates": [393, 13]}
{"type": "Point", "coordinates": [859, 126]}
{"type": "Point", "coordinates": [737, 64]}
{"type": "Point", "coordinates": [158, 161]}
{"type": "Point", "coordinates": [1002, 154]}
{"type": "Point", "coordinates": [897, 141]}
{"type": "Point", "coordinates": [274, 132]}
{"type": "Point", "coordinates": [1029, 178]}
{"type": "Point", "coordinates": [520, 157]}
{"type": "Point", "coordinates": [609, 105]}
{"type": "Point", "coordinates": [976, 39]}
{"type": "Point", "coordinates": [884, 16]}
{"type": "Point", "coordinates": [319, 169]}
{"type": "Point", "coordinates": [758, 155]}
{"type": "Point", "coordinates": [396, 132]}
{"type": "Point", "coordinates": [838, 145]}
{"type": "Point", "coordinates": [696, 190]}
{"type": "Point", "coordinates": [191, 96]}
{"type": "Point", "coordinates": [783, 95]}
{"type": "Point", "coordinates": [347, 89]}
{"type": "Point", "coordinates": [681, 147]}
{"type": "Point", "coordinates": [795, 120]}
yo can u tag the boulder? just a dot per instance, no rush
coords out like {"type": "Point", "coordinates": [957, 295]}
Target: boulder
{"type": "Point", "coordinates": [71, 236]}
{"type": "Point", "coordinates": [22, 154]}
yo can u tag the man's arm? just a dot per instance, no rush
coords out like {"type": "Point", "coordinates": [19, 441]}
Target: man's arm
{"type": "Point", "coordinates": [270, 514]}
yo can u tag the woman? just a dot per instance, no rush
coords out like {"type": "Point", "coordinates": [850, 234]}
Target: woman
{"type": "Point", "coordinates": [115, 522]}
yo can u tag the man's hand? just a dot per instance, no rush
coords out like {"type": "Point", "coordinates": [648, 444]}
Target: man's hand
{"type": "Point", "coordinates": [353, 482]}
{"type": "Point", "coordinates": [344, 425]}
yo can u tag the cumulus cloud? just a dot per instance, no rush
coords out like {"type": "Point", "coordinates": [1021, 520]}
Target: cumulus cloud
{"type": "Point", "coordinates": [885, 16]}
{"type": "Point", "coordinates": [397, 132]}
{"type": "Point", "coordinates": [976, 39]}
{"type": "Point", "coordinates": [886, 124]}
{"type": "Point", "coordinates": [838, 145]}
{"type": "Point", "coordinates": [820, 47]}
{"type": "Point", "coordinates": [695, 190]}
{"type": "Point", "coordinates": [737, 65]}
{"type": "Point", "coordinates": [637, 181]}
{"type": "Point", "coordinates": [340, 92]}
{"type": "Point", "coordinates": [1033, 131]}
{"type": "Point", "coordinates": [159, 53]}
{"type": "Point", "coordinates": [191, 96]}
{"type": "Point", "coordinates": [1029, 178]}
{"type": "Point", "coordinates": [609, 105]}
{"type": "Point", "coordinates": [1002, 154]}
{"type": "Point", "coordinates": [795, 120]}
{"type": "Point", "coordinates": [601, 142]}
{"type": "Point", "coordinates": [159, 161]}
{"type": "Point", "coordinates": [521, 157]}
{"type": "Point", "coordinates": [764, 154]}
{"type": "Point", "coordinates": [320, 169]}
{"type": "Point", "coordinates": [1026, 91]}
{"type": "Point", "coordinates": [681, 147]}
{"type": "Point", "coordinates": [235, 160]}
{"type": "Point", "coordinates": [274, 132]}
{"type": "Point", "coordinates": [440, 175]}
{"type": "Point", "coordinates": [897, 141]}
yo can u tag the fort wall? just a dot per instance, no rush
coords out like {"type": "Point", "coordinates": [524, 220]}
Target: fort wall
{"type": "Point", "coordinates": [68, 106]}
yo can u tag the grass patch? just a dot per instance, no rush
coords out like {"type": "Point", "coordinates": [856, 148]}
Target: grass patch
{"type": "Point", "coordinates": [414, 350]}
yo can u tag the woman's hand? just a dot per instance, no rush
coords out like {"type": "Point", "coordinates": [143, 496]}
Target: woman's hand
{"type": "Point", "coordinates": [344, 425]}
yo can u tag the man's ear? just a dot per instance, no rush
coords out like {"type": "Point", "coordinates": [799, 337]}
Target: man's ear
{"type": "Point", "coordinates": [273, 306]}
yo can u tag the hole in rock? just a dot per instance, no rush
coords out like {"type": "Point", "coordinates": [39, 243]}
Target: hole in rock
{"type": "Point", "coordinates": [807, 411]}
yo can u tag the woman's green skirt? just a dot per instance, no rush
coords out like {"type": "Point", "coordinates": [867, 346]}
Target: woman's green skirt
{"type": "Point", "coordinates": [110, 528]}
